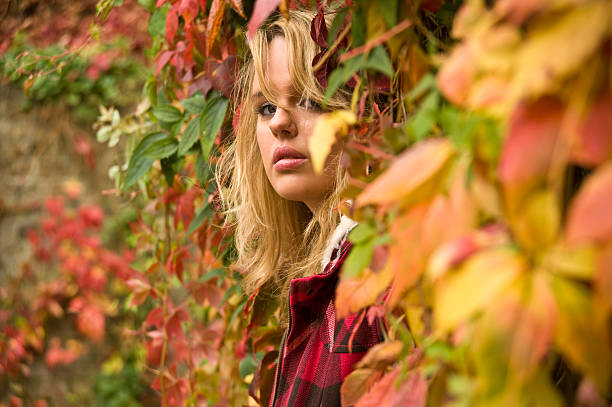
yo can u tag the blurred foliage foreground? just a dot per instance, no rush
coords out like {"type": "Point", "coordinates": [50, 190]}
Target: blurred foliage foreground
{"type": "Point", "coordinates": [481, 181]}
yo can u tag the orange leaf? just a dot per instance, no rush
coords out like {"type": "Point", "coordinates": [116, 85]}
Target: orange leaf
{"type": "Point", "coordinates": [213, 23]}
{"type": "Point", "coordinates": [416, 175]}
{"type": "Point", "coordinates": [381, 355]}
{"type": "Point", "coordinates": [356, 384]}
{"type": "Point", "coordinates": [236, 5]}
{"type": "Point", "coordinates": [457, 74]}
{"type": "Point", "coordinates": [590, 217]}
{"type": "Point", "coordinates": [357, 293]}
{"type": "Point", "coordinates": [411, 393]}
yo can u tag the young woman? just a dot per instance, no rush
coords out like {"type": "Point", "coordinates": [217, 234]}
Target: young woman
{"type": "Point", "coordinates": [291, 240]}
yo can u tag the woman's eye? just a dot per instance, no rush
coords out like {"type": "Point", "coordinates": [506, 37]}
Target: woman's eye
{"type": "Point", "coordinates": [309, 104]}
{"type": "Point", "coordinates": [267, 109]}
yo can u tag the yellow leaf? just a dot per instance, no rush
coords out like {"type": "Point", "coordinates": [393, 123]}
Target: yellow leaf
{"type": "Point", "coordinates": [558, 46]}
{"type": "Point", "coordinates": [573, 262]}
{"type": "Point", "coordinates": [416, 175]}
{"type": "Point", "coordinates": [536, 224]}
{"type": "Point", "coordinates": [583, 331]}
{"type": "Point", "coordinates": [474, 286]}
{"type": "Point", "coordinates": [328, 127]}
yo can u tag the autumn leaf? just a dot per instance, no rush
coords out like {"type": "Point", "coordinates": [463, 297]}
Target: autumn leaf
{"type": "Point", "coordinates": [90, 322]}
{"type": "Point", "coordinates": [533, 335]}
{"type": "Point", "coordinates": [416, 175]}
{"type": "Point", "coordinates": [583, 331]}
{"type": "Point", "coordinates": [412, 392]}
{"type": "Point", "coordinates": [213, 22]}
{"type": "Point", "coordinates": [381, 355]}
{"type": "Point", "coordinates": [328, 128]}
{"type": "Point", "coordinates": [457, 74]}
{"type": "Point", "coordinates": [478, 282]}
{"type": "Point", "coordinates": [594, 141]}
{"type": "Point", "coordinates": [589, 216]}
{"type": "Point", "coordinates": [261, 11]}
{"type": "Point", "coordinates": [356, 384]}
{"type": "Point", "coordinates": [356, 293]}
{"type": "Point", "coordinates": [557, 47]}
{"type": "Point", "coordinates": [236, 5]}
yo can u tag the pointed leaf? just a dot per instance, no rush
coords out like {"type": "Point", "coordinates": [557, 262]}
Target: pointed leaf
{"type": "Point", "coordinates": [211, 121]}
{"type": "Point", "coordinates": [590, 217]}
{"type": "Point", "coordinates": [474, 286]}
{"type": "Point", "coordinates": [427, 163]}
{"type": "Point", "coordinates": [328, 127]}
{"type": "Point", "coordinates": [190, 135]}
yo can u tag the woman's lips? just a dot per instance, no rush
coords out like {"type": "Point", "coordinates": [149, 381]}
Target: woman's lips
{"type": "Point", "coordinates": [287, 158]}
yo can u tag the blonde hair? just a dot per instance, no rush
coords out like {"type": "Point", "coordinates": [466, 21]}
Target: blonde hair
{"type": "Point", "coordinates": [276, 239]}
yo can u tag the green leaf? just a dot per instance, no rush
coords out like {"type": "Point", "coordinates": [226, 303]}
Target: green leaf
{"type": "Point", "coordinates": [139, 164]}
{"type": "Point", "coordinates": [167, 114]}
{"type": "Point", "coordinates": [249, 363]}
{"type": "Point", "coordinates": [203, 213]}
{"type": "Point", "coordinates": [148, 4]}
{"type": "Point", "coordinates": [220, 272]}
{"type": "Point", "coordinates": [334, 29]}
{"type": "Point", "coordinates": [426, 83]}
{"type": "Point", "coordinates": [211, 121]}
{"type": "Point", "coordinates": [361, 233]}
{"type": "Point", "coordinates": [358, 24]}
{"type": "Point", "coordinates": [170, 166]}
{"type": "Point", "coordinates": [157, 23]}
{"type": "Point", "coordinates": [343, 74]}
{"type": "Point", "coordinates": [358, 259]}
{"type": "Point", "coordinates": [190, 135]}
{"type": "Point", "coordinates": [237, 311]}
{"type": "Point", "coordinates": [195, 104]}
{"type": "Point", "coordinates": [388, 8]}
{"type": "Point", "coordinates": [233, 289]}
{"type": "Point", "coordinates": [161, 148]}
{"type": "Point", "coordinates": [379, 61]}
{"type": "Point", "coordinates": [202, 169]}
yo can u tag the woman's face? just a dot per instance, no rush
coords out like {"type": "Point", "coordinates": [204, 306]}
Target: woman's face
{"type": "Point", "coordinates": [283, 132]}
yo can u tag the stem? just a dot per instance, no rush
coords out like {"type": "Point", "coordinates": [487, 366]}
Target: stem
{"type": "Point", "coordinates": [332, 49]}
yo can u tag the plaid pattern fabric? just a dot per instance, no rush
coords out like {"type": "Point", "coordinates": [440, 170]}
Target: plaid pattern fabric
{"type": "Point", "coordinates": [315, 353]}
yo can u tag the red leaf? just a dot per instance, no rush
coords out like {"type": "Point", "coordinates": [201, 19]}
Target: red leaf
{"type": "Point", "coordinates": [595, 134]}
{"type": "Point", "coordinates": [224, 76]}
{"type": "Point", "coordinates": [188, 9]}
{"type": "Point", "coordinates": [590, 217]}
{"type": "Point", "coordinates": [90, 322]}
{"type": "Point", "coordinates": [91, 216]}
{"type": "Point", "coordinates": [171, 26]}
{"type": "Point", "coordinates": [318, 29]}
{"type": "Point", "coordinates": [174, 265]}
{"type": "Point", "coordinates": [184, 208]}
{"type": "Point", "coordinates": [155, 317]}
{"type": "Point", "coordinates": [162, 60]}
{"type": "Point", "coordinates": [261, 11]}
{"type": "Point", "coordinates": [173, 326]}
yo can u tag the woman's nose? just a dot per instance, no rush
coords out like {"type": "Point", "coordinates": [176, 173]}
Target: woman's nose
{"type": "Point", "coordinates": [282, 124]}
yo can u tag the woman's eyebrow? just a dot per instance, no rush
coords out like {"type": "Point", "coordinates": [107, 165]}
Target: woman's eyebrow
{"type": "Point", "coordinates": [257, 95]}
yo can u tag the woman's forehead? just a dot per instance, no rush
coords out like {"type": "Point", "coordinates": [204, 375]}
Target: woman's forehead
{"type": "Point", "coordinates": [275, 71]}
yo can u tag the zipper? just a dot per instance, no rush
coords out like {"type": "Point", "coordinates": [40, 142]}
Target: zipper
{"type": "Point", "coordinates": [280, 359]}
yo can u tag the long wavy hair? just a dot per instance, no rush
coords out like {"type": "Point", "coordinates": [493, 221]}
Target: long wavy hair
{"type": "Point", "coordinates": [276, 239]}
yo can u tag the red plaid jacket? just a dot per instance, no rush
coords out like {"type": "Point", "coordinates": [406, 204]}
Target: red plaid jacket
{"type": "Point", "coordinates": [315, 356]}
